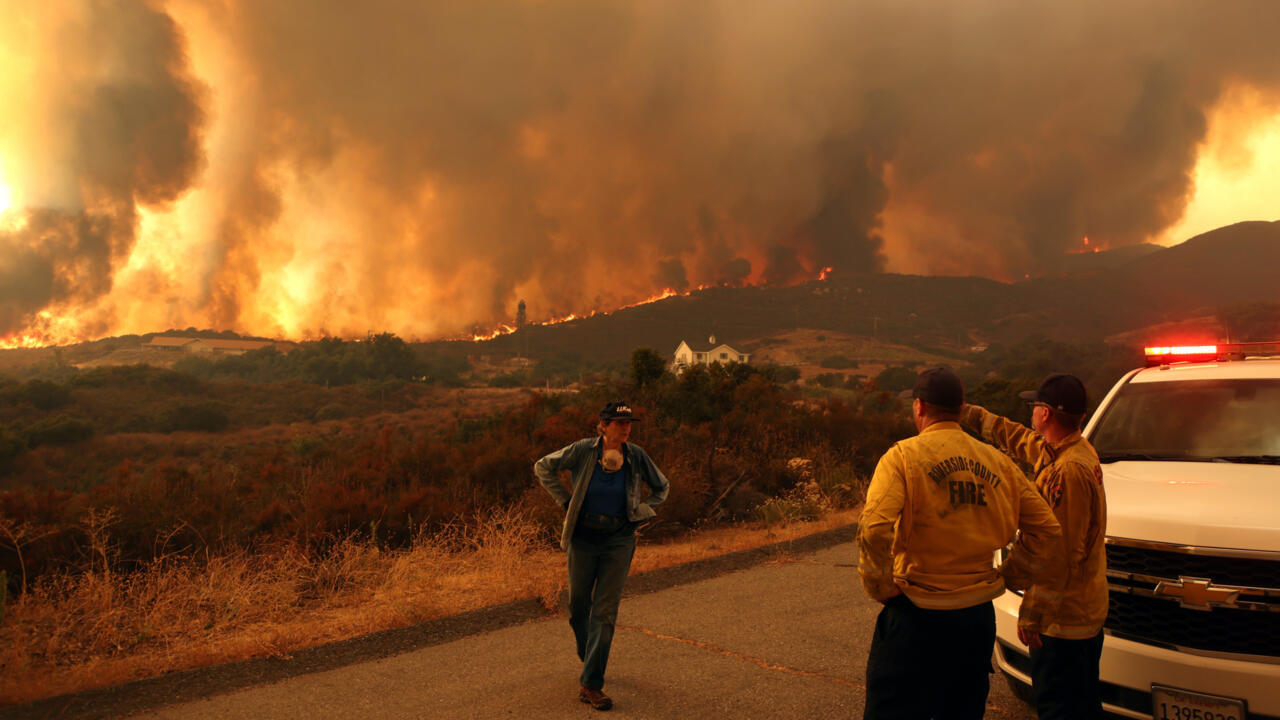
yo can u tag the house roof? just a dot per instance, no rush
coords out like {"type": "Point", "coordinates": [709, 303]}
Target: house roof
{"type": "Point", "coordinates": [166, 341]}
{"type": "Point", "coordinates": [717, 348]}
{"type": "Point", "coordinates": [221, 344]}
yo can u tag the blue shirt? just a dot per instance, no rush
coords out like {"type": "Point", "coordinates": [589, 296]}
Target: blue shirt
{"type": "Point", "coordinates": [607, 492]}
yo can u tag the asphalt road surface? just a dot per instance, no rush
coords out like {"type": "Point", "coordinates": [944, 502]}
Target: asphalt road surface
{"type": "Point", "coordinates": [783, 639]}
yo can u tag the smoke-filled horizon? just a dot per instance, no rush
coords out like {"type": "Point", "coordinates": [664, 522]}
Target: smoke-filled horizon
{"type": "Point", "coordinates": [300, 168]}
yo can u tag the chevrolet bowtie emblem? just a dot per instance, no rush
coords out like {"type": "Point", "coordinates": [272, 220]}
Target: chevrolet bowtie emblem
{"type": "Point", "coordinates": [1197, 593]}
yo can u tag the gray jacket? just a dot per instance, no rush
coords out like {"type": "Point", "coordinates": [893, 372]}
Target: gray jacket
{"type": "Point", "coordinates": [579, 459]}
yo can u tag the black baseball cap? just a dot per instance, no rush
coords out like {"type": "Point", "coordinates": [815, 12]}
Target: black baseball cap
{"type": "Point", "coordinates": [937, 386]}
{"type": "Point", "coordinates": [617, 411]}
{"type": "Point", "coordinates": [1061, 392]}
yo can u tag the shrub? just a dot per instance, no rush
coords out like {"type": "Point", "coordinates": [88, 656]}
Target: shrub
{"type": "Point", "coordinates": [837, 362]}
{"type": "Point", "coordinates": [203, 417]}
{"type": "Point", "coordinates": [781, 374]}
{"type": "Point", "coordinates": [58, 430]}
{"type": "Point", "coordinates": [827, 380]}
{"type": "Point", "coordinates": [896, 378]}
{"type": "Point", "coordinates": [42, 394]}
{"type": "Point", "coordinates": [11, 446]}
{"type": "Point", "coordinates": [647, 366]}
{"type": "Point", "coordinates": [332, 411]}
{"type": "Point", "coordinates": [507, 380]}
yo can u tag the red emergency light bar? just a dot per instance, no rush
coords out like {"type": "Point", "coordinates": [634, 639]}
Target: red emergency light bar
{"type": "Point", "coordinates": [1164, 354]}
{"type": "Point", "coordinates": [1181, 350]}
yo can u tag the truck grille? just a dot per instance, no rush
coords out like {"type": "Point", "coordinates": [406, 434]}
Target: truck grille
{"type": "Point", "coordinates": [1208, 617]}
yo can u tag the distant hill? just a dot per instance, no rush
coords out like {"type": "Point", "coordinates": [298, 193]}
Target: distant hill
{"type": "Point", "coordinates": [1120, 292]}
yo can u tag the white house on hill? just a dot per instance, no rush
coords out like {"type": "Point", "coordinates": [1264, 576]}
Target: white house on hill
{"type": "Point", "coordinates": [687, 355]}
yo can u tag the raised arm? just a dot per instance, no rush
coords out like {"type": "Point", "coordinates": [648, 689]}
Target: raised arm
{"type": "Point", "coordinates": [1014, 438]}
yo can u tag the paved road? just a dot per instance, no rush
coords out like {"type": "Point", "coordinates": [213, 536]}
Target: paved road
{"type": "Point", "coordinates": [781, 640]}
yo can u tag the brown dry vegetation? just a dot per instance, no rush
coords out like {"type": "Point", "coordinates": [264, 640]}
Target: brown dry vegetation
{"type": "Point", "coordinates": [100, 627]}
{"type": "Point", "coordinates": [135, 553]}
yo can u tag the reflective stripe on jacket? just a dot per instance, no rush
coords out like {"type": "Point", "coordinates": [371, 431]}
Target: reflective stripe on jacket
{"type": "Point", "coordinates": [579, 459]}
{"type": "Point", "coordinates": [1069, 477]}
{"type": "Point", "coordinates": [939, 507]}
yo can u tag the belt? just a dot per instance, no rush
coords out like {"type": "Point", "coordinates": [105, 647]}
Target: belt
{"type": "Point", "coordinates": [595, 521]}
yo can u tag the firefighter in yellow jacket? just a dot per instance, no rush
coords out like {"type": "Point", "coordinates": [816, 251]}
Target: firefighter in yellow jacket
{"type": "Point", "coordinates": [940, 506]}
{"type": "Point", "coordinates": [1066, 644]}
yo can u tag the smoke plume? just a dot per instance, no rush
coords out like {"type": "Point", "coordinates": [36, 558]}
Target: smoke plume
{"type": "Point", "coordinates": [302, 167]}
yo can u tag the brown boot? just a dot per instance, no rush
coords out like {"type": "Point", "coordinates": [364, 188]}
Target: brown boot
{"type": "Point", "coordinates": [595, 698]}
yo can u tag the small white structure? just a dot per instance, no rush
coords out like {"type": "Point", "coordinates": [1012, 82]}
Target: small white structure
{"type": "Point", "coordinates": [686, 355]}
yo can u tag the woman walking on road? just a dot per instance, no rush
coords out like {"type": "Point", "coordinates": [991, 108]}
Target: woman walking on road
{"type": "Point", "coordinates": [602, 510]}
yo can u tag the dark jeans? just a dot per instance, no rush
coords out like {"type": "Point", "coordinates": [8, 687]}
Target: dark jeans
{"type": "Point", "coordinates": [597, 571]}
{"type": "Point", "coordinates": [929, 663]}
{"type": "Point", "coordinates": [1064, 678]}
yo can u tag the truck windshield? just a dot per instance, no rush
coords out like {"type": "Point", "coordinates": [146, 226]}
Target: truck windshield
{"type": "Point", "coordinates": [1195, 420]}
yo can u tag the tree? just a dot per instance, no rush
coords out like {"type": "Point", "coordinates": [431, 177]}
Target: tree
{"type": "Point", "coordinates": [647, 366]}
{"type": "Point", "coordinates": [521, 317]}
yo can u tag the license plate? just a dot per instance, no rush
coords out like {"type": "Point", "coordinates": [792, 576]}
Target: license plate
{"type": "Point", "coordinates": [1172, 704]}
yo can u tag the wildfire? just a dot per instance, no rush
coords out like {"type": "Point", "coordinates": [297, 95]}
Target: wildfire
{"type": "Point", "coordinates": [1085, 247]}
{"type": "Point", "coordinates": [502, 330]}
{"type": "Point", "coordinates": [666, 293]}
{"type": "Point", "coordinates": [23, 340]}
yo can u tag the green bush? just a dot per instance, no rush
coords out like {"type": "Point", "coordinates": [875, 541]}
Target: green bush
{"type": "Point", "coordinates": [11, 446]}
{"type": "Point", "coordinates": [203, 417]}
{"type": "Point", "coordinates": [332, 411]}
{"type": "Point", "coordinates": [837, 362]}
{"type": "Point", "coordinates": [508, 380]}
{"type": "Point", "coordinates": [781, 374]}
{"type": "Point", "coordinates": [827, 380]}
{"type": "Point", "coordinates": [647, 366]}
{"type": "Point", "coordinates": [41, 394]}
{"type": "Point", "coordinates": [896, 378]}
{"type": "Point", "coordinates": [58, 430]}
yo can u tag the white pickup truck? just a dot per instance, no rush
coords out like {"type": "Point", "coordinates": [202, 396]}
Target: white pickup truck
{"type": "Point", "coordinates": [1190, 450]}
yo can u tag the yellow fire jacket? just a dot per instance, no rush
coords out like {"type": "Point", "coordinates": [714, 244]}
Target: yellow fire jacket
{"type": "Point", "coordinates": [939, 507]}
{"type": "Point", "coordinates": [1069, 477]}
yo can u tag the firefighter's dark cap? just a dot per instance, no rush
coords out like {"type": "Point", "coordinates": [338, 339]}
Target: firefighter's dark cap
{"type": "Point", "coordinates": [1061, 392]}
{"type": "Point", "coordinates": [937, 386]}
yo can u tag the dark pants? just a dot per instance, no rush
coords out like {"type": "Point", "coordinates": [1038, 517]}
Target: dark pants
{"type": "Point", "coordinates": [1064, 678]}
{"type": "Point", "coordinates": [597, 571]}
{"type": "Point", "coordinates": [930, 663]}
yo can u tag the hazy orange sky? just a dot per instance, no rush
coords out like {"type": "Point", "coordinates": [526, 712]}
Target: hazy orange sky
{"type": "Point", "coordinates": [298, 168]}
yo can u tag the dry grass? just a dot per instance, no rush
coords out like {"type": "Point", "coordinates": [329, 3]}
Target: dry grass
{"type": "Point", "coordinates": [98, 628]}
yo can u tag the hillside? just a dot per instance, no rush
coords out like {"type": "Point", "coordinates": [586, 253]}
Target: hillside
{"type": "Point", "coordinates": [1121, 293]}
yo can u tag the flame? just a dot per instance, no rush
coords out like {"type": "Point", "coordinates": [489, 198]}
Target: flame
{"type": "Point", "coordinates": [49, 330]}
{"type": "Point", "coordinates": [505, 329]}
{"type": "Point", "coordinates": [1085, 246]}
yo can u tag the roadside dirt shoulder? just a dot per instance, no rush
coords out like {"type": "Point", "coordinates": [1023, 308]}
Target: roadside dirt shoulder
{"type": "Point", "coordinates": [135, 697]}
